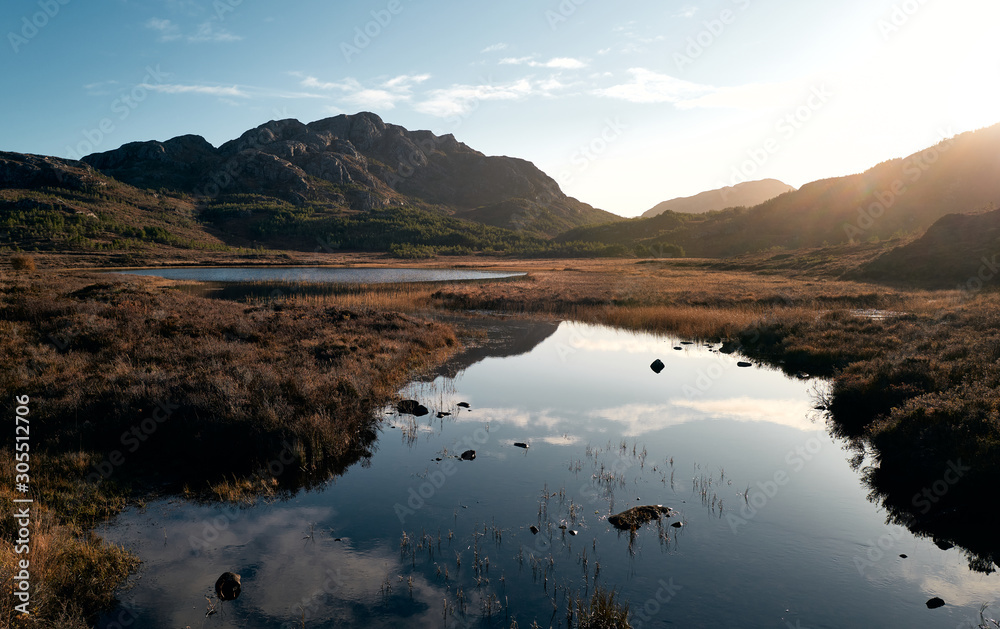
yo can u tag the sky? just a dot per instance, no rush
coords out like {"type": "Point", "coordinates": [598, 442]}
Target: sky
{"type": "Point", "coordinates": [624, 104]}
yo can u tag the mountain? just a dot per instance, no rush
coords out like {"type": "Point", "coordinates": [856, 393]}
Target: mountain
{"type": "Point", "coordinates": [355, 162]}
{"type": "Point", "coordinates": [958, 251]}
{"type": "Point", "coordinates": [746, 194]}
{"type": "Point", "coordinates": [897, 197]}
{"type": "Point", "coordinates": [52, 204]}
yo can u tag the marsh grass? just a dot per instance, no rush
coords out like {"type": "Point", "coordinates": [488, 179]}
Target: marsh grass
{"type": "Point", "coordinates": [604, 610]}
{"type": "Point", "coordinates": [243, 385]}
{"type": "Point", "coordinates": [73, 572]}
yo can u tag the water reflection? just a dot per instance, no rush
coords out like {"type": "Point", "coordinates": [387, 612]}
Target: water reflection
{"type": "Point", "coordinates": [777, 528]}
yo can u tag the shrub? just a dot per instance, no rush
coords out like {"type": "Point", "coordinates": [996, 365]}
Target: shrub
{"type": "Point", "coordinates": [22, 263]}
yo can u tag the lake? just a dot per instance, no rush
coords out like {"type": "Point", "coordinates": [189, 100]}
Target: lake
{"type": "Point", "coordinates": [777, 528]}
{"type": "Point", "coordinates": [323, 275]}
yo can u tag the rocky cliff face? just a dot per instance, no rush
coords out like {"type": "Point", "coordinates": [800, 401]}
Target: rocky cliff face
{"type": "Point", "coordinates": [18, 170]}
{"type": "Point", "coordinates": [357, 161]}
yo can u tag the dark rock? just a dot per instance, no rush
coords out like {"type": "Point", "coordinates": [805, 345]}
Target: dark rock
{"type": "Point", "coordinates": [463, 405]}
{"type": "Point", "coordinates": [442, 414]}
{"type": "Point", "coordinates": [520, 445]}
{"type": "Point", "coordinates": [820, 408]}
{"type": "Point", "coordinates": [934, 603]}
{"type": "Point", "coordinates": [687, 342]}
{"type": "Point", "coordinates": [572, 532]}
{"type": "Point", "coordinates": [468, 455]}
{"type": "Point", "coordinates": [677, 525]}
{"type": "Point", "coordinates": [943, 544]}
{"type": "Point", "coordinates": [679, 348]}
{"type": "Point", "coordinates": [903, 556]}
{"type": "Point", "coordinates": [412, 407]}
{"type": "Point", "coordinates": [657, 366]}
{"type": "Point", "coordinates": [533, 529]}
{"type": "Point", "coordinates": [227, 588]}
{"type": "Point", "coordinates": [744, 364]}
{"type": "Point", "coordinates": [729, 347]}
{"type": "Point", "coordinates": [637, 516]}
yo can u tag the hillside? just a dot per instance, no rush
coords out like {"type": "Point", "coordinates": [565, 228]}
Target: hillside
{"type": "Point", "coordinates": [355, 162]}
{"type": "Point", "coordinates": [958, 251]}
{"type": "Point", "coordinates": [746, 194]}
{"type": "Point", "coordinates": [52, 204]}
{"type": "Point", "coordinates": [897, 197]}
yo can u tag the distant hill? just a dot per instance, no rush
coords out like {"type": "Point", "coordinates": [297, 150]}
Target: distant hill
{"type": "Point", "coordinates": [355, 162]}
{"type": "Point", "coordinates": [746, 194]}
{"type": "Point", "coordinates": [958, 251]}
{"type": "Point", "coordinates": [897, 197]}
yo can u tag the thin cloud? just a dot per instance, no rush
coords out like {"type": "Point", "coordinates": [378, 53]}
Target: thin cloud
{"type": "Point", "coordinates": [205, 32]}
{"type": "Point", "coordinates": [460, 99]}
{"type": "Point", "coordinates": [214, 90]}
{"type": "Point", "coordinates": [560, 63]}
{"type": "Point", "coordinates": [385, 95]}
{"type": "Point", "coordinates": [494, 48]}
{"type": "Point", "coordinates": [647, 86]}
{"type": "Point", "coordinates": [168, 30]}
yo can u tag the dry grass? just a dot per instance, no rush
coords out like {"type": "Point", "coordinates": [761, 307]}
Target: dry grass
{"type": "Point", "coordinates": [20, 262]}
{"type": "Point", "coordinates": [245, 385]}
{"type": "Point", "coordinates": [73, 573]}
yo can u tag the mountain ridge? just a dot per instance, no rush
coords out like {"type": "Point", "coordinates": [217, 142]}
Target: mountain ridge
{"type": "Point", "coordinates": [746, 194]}
{"type": "Point", "coordinates": [357, 162]}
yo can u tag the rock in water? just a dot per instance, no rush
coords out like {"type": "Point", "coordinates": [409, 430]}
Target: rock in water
{"type": "Point", "coordinates": [468, 455]}
{"type": "Point", "coordinates": [637, 516]}
{"type": "Point", "coordinates": [227, 588]}
{"type": "Point", "coordinates": [657, 366]}
{"type": "Point", "coordinates": [533, 529]}
{"type": "Point", "coordinates": [744, 364]}
{"type": "Point", "coordinates": [520, 444]}
{"type": "Point", "coordinates": [463, 404]}
{"type": "Point", "coordinates": [934, 603]}
{"type": "Point", "coordinates": [412, 407]}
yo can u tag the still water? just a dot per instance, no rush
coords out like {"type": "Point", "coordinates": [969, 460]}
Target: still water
{"type": "Point", "coordinates": [322, 275]}
{"type": "Point", "coordinates": [777, 530]}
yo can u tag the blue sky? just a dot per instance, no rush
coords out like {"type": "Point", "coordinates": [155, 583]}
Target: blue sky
{"type": "Point", "coordinates": [625, 104]}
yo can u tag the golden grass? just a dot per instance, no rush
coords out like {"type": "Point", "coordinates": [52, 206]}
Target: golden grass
{"type": "Point", "coordinates": [74, 574]}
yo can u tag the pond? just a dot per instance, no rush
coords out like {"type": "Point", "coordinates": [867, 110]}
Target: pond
{"type": "Point", "coordinates": [338, 275]}
{"type": "Point", "coordinates": [777, 530]}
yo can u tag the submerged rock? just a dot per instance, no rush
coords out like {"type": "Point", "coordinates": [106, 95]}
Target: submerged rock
{"type": "Point", "coordinates": [657, 366]}
{"type": "Point", "coordinates": [934, 603]}
{"type": "Point", "coordinates": [637, 516]}
{"type": "Point", "coordinates": [412, 407]}
{"type": "Point", "coordinates": [468, 455]}
{"type": "Point", "coordinates": [227, 588]}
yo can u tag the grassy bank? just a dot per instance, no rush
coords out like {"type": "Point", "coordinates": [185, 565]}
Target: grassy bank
{"type": "Point", "coordinates": [138, 390]}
